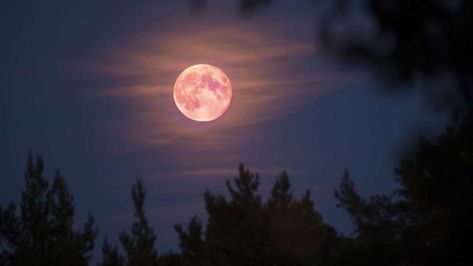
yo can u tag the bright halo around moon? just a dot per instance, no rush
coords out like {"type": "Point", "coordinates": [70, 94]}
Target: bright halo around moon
{"type": "Point", "coordinates": [202, 92]}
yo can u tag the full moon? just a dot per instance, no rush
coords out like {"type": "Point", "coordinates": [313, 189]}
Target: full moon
{"type": "Point", "coordinates": [202, 92]}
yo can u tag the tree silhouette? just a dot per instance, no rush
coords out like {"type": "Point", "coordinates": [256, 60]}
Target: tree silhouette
{"type": "Point", "coordinates": [235, 229]}
{"type": "Point", "coordinates": [297, 232]}
{"type": "Point", "coordinates": [281, 195]}
{"type": "Point", "coordinates": [191, 243]}
{"type": "Point", "coordinates": [242, 230]}
{"type": "Point", "coordinates": [427, 220]}
{"type": "Point", "coordinates": [43, 233]}
{"type": "Point", "coordinates": [139, 245]}
{"type": "Point", "coordinates": [170, 259]}
{"type": "Point", "coordinates": [379, 223]}
{"type": "Point", "coordinates": [437, 183]}
{"type": "Point", "coordinates": [110, 255]}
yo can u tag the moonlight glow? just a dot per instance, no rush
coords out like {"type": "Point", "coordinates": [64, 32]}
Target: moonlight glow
{"type": "Point", "coordinates": [202, 92]}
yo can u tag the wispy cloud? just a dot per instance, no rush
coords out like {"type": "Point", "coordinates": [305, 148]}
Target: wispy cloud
{"type": "Point", "coordinates": [230, 172]}
{"type": "Point", "coordinates": [271, 76]}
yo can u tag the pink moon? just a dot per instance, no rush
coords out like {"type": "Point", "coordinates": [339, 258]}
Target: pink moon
{"type": "Point", "coordinates": [202, 92]}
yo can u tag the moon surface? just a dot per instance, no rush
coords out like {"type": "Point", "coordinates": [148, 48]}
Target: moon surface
{"type": "Point", "coordinates": [202, 92]}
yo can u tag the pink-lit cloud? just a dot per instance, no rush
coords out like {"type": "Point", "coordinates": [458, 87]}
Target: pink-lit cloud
{"type": "Point", "coordinates": [269, 76]}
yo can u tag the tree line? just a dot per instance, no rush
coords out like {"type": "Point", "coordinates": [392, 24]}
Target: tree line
{"type": "Point", "coordinates": [426, 220]}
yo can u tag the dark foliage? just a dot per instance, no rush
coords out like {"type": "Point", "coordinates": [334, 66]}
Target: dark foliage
{"type": "Point", "coordinates": [242, 230]}
{"type": "Point", "coordinates": [427, 40]}
{"type": "Point", "coordinates": [235, 229]}
{"type": "Point", "coordinates": [297, 233]}
{"type": "Point", "coordinates": [139, 245]}
{"type": "Point", "coordinates": [191, 242]}
{"type": "Point", "coordinates": [170, 259]}
{"type": "Point", "coordinates": [42, 231]}
{"type": "Point", "coordinates": [249, 6]}
{"type": "Point", "coordinates": [427, 221]}
{"type": "Point", "coordinates": [110, 255]}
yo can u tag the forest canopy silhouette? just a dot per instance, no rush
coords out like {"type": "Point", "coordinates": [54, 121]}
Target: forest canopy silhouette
{"type": "Point", "coordinates": [425, 221]}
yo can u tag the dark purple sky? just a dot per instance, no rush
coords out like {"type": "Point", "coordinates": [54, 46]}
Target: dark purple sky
{"type": "Point", "coordinates": [88, 84]}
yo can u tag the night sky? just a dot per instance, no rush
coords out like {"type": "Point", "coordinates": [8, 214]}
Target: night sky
{"type": "Point", "coordinates": [88, 85]}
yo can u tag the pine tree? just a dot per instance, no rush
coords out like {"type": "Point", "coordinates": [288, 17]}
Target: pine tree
{"type": "Point", "coordinates": [297, 233]}
{"type": "Point", "coordinates": [43, 232]}
{"type": "Point", "coordinates": [281, 195]}
{"type": "Point", "coordinates": [426, 221]}
{"type": "Point", "coordinates": [139, 245]}
{"type": "Point", "coordinates": [110, 255]}
{"type": "Point", "coordinates": [241, 230]}
{"type": "Point", "coordinates": [191, 243]}
{"type": "Point", "coordinates": [235, 232]}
